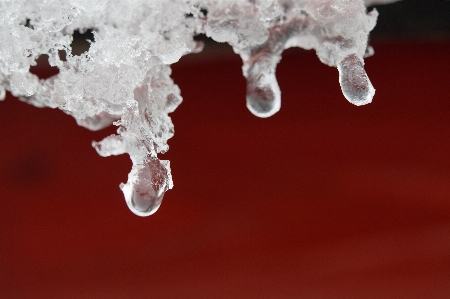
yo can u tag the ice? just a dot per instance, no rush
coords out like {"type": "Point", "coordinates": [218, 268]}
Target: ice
{"type": "Point", "coordinates": [146, 186]}
{"type": "Point", "coordinates": [124, 77]}
{"type": "Point", "coordinates": [263, 92]}
{"type": "Point", "coordinates": [2, 93]}
{"type": "Point", "coordinates": [355, 84]}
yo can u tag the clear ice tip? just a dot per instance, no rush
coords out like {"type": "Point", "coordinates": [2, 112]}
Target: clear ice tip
{"type": "Point", "coordinates": [355, 83]}
{"type": "Point", "coordinates": [263, 95]}
{"type": "Point", "coordinates": [145, 188]}
{"type": "Point", "coordinates": [141, 203]}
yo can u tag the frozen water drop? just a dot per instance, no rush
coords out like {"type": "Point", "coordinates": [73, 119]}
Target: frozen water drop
{"type": "Point", "coordinates": [355, 83]}
{"type": "Point", "coordinates": [263, 92]}
{"type": "Point", "coordinates": [263, 95]}
{"type": "Point", "coordinates": [145, 188]}
{"type": "Point", "coordinates": [145, 204]}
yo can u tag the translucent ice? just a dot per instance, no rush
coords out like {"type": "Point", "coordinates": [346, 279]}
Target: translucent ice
{"type": "Point", "coordinates": [146, 187]}
{"type": "Point", "coordinates": [354, 82]}
{"type": "Point", "coordinates": [124, 77]}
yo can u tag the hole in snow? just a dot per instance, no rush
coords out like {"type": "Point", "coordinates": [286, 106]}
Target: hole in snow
{"type": "Point", "coordinates": [42, 69]}
{"type": "Point", "coordinates": [81, 41]}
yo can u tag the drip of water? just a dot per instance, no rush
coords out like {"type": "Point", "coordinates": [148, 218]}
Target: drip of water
{"type": "Point", "coordinates": [145, 188]}
{"type": "Point", "coordinates": [355, 83]}
{"type": "Point", "coordinates": [263, 95]}
{"type": "Point", "coordinates": [263, 92]}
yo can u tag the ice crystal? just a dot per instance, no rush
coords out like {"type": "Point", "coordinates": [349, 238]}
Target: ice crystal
{"type": "Point", "coordinates": [124, 77]}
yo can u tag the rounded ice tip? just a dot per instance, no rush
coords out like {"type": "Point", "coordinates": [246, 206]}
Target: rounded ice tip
{"type": "Point", "coordinates": [355, 83]}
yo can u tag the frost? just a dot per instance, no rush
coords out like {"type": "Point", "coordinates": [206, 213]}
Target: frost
{"type": "Point", "coordinates": [124, 77]}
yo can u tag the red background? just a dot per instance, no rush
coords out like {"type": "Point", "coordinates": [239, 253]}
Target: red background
{"type": "Point", "coordinates": [322, 200]}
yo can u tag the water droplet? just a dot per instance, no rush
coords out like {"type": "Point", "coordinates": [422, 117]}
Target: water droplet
{"type": "Point", "coordinates": [355, 83]}
{"type": "Point", "coordinates": [263, 92]}
{"type": "Point", "coordinates": [264, 98]}
{"type": "Point", "coordinates": [145, 188]}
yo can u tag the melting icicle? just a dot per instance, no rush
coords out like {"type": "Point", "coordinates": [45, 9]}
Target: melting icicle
{"type": "Point", "coordinates": [263, 92]}
{"type": "Point", "coordinates": [354, 81]}
{"type": "Point", "coordinates": [124, 77]}
{"type": "Point", "coordinates": [146, 186]}
{"type": "Point", "coordinates": [263, 95]}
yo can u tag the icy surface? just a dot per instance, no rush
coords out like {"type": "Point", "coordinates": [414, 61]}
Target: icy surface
{"type": "Point", "coordinates": [124, 77]}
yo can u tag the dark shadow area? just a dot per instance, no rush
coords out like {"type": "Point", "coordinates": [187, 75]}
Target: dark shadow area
{"type": "Point", "coordinates": [81, 41]}
{"type": "Point", "coordinates": [413, 19]}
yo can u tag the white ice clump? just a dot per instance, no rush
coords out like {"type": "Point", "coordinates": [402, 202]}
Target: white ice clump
{"type": "Point", "coordinates": [124, 77]}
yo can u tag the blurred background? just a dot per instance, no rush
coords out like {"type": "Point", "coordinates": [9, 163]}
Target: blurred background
{"type": "Point", "coordinates": [322, 200]}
